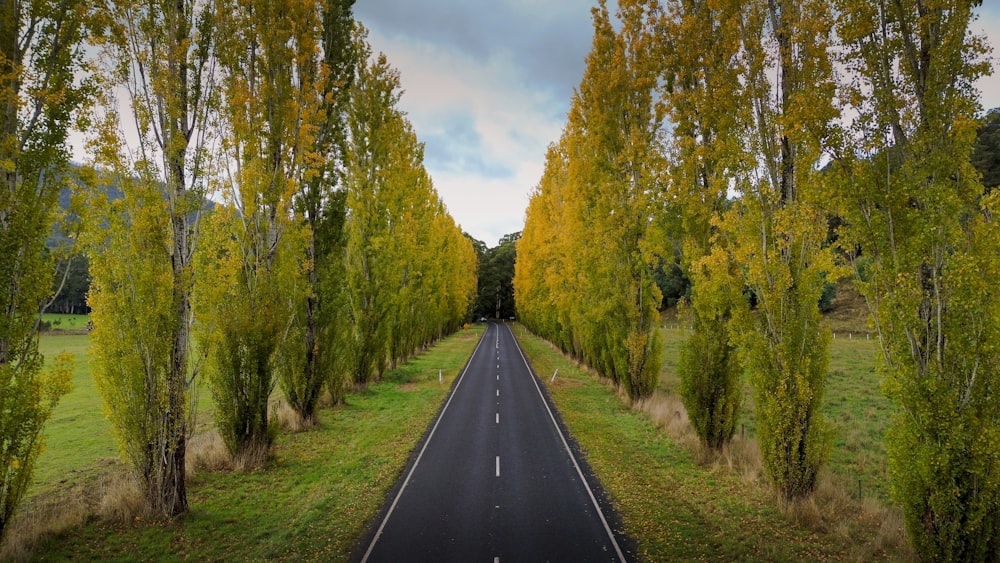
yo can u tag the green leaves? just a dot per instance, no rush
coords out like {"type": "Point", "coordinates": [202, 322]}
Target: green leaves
{"type": "Point", "coordinates": [40, 57]}
{"type": "Point", "coordinates": [915, 209]}
{"type": "Point", "coordinates": [410, 272]}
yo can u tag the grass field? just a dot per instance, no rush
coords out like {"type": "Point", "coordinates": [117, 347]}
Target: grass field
{"type": "Point", "coordinates": [316, 498]}
{"type": "Point", "coordinates": [675, 508]}
{"type": "Point", "coordinates": [59, 321]}
{"type": "Point", "coordinates": [78, 439]}
{"type": "Point", "coordinates": [854, 405]}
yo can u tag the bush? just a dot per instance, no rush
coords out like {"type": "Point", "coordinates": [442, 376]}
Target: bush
{"type": "Point", "coordinates": [827, 296]}
{"type": "Point", "coordinates": [710, 383]}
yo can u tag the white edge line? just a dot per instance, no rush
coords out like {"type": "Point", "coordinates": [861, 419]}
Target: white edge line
{"type": "Point", "coordinates": [392, 507]}
{"type": "Point", "coordinates": [593, 499]}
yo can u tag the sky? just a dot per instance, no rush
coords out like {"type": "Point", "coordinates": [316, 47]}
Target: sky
{"type": "Point", "coordinates": [487, 86]}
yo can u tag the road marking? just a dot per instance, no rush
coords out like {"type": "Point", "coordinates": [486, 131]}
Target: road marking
{"type": "Point", "coordinates": [498, 466]}
{"type": "Point", "coordinates": [498, 392]}
{"type": "Point", "coordinates": [395, 501]}
{"type": "Point", "coordinates": [586, 485]}
{"type": "Point", "coordinates": [498, 418]}
{"type": "Point", "coordinates": [496, 560]}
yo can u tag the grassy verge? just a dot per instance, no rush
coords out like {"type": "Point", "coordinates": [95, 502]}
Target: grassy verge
{"type": "Point", "coordinates": [673, 507]}
{"type": "Point", "coordinates": [315, 500]}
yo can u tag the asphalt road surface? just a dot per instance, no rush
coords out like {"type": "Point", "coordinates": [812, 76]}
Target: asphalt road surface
{"type": "Point", "coordinates": [495, 479]}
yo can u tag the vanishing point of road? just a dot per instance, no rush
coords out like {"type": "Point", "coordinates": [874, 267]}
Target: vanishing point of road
{"type": "Point", "coordinates": [495, 479]}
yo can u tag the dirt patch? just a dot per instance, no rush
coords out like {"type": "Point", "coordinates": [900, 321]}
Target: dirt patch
{"type": "Point", "coordinates": [568, 383]}
{"type": "Point", "coordinates": [65, 332]}
{"type": "Point", "coordinates": [849, 312]}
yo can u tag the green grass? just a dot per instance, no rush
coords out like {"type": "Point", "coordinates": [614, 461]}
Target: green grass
{"type": "Point", "coordinates": [60, 321]}
{"type": "Point", "coordinates": [78, 440]}
{"type": "Point", "coordinates": [854, 405]}
{"type": "Point", "coordinates": [77, 437]}
{"type": "Point", "coordinates": [674, 508]}
{"type": "Point", "coordinates": [318, 496]}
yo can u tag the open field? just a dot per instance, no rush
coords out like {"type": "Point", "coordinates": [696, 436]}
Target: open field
{"type": "Point", "coordinates": [78, 442]}
{"type": "Point", "coordinates": [678, 509]}
{"type": "Point", "coordinates": [314, 501]}
{"type": "Point", "coordinates": [60, 321]}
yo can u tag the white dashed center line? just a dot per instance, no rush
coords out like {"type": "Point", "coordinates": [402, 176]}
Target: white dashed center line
{"type": "Point", "coordinates": [498, 466]}
{"type": "Point", "coordinates": [498, 418]}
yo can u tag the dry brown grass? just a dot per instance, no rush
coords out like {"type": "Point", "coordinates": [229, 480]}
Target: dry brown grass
{"type": "Point", "coordinates": [206, 452]}
{"type": "Point", "coordinates": [113, 496]}
{"type": "Point", "coordinates": [287, 419]}
{"type": "Point", "coordinates": [120, 499]}
{"type": "Point", "coordinates": [42, 517]}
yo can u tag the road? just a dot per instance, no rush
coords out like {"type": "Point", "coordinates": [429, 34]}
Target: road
{"type": "Point", "coordinates": [495, 479]}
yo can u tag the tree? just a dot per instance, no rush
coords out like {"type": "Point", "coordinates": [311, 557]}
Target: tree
{"type": "Point", "coordinates": [700, 45]}
{"type": "Point", "coordinates": [777, 231]}
{"type": "Point", "coordinates": [986, 151]}
{"type": "Point", "coordinates": [141, 247]}
{"type": "Point", "coordinates": [914, 205]}
{"type": "Point", "coordinates": [410, 273]}
{"type": "Point", "coordinates": [377, 132]}
{"type": "Point", "coordinates": [69, 288]}
{"type": "Point", "coordinates": [255, 270]}
{"type": "Point", "coordinates": [321, 206]}
{"type": "Point", "coordinates": [40, 55]}
{"type": "Point", "coordinates": [496, 277]}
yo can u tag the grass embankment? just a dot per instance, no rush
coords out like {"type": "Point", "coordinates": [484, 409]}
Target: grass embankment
{"type": "Point", "coordinates": [678, 509]}
{"type": "Point", "coordinates": [317, 497]}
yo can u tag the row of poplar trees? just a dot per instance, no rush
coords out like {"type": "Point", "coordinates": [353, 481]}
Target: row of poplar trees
{"type": "Point", "coordinates": [737, 128]}
{"type": "Point", "coordinates": [326, 258]}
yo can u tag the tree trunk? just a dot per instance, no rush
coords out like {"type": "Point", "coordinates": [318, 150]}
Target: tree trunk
{"type": "Point", "coordinates": [174, 493]}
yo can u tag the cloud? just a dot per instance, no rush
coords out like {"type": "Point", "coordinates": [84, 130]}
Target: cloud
{"type": "Point", "coordinates": [486, 91]}
{"type": "Point", "coordinates": [488, 86]}
{"type": "Point", "coordinates": [988, 24]}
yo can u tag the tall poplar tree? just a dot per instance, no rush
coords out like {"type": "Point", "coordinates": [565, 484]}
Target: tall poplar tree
{"type": "Point", "coordinates": [410, 273]}
{"type": "Point", "coordinates": [40, 55]}
{"type": "Point", "coordinates": [267, 51]}
{"type": "Point", "coordinates": [160, 53]}
{"type": "Point", "coordinates": [613, 163]}
{"type": "Point", "coordinates": [778, 231]}
{"type": "Point", "coordinates": [699, 43]}
{"type": "Point", "coordinates": [321, 206]}
{"type": "Point", "coordinates": [916, 207]}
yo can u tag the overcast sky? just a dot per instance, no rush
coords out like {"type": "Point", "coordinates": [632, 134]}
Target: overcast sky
{"type": "Point", "coordinates": [487, 88]}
